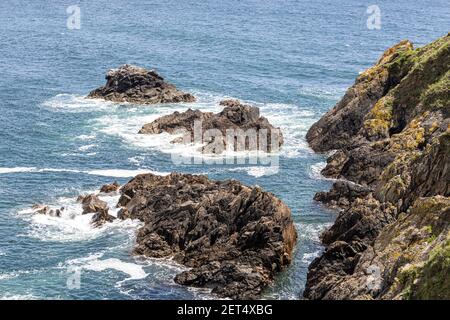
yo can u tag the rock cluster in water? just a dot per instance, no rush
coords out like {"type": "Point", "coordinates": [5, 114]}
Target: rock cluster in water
{"type": "Point", "coordinates": [233, 237]}
{"type": "Point", "coordinates": [391, 131]}
{"type": "Point", "coordinates": [138, 85]}
{"type": "Point", "coordinates": [235, 116]}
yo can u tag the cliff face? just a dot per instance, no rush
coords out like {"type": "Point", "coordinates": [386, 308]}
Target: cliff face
{"type": "Point", "coordinates": [391, 133]}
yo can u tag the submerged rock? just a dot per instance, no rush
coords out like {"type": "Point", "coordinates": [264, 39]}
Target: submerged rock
{"type": "Point", "coordinates": [44, 209]}
{"type": "Point", "coordinates": [235, 238]}
{"type": "Point", "coordinates": [256, 131]}
{"type": "Point", "coordinates": [138, 85]}
{"type": "Point", "coordinates": [392, 135]}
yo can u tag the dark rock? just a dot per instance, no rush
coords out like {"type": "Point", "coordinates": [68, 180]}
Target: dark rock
{"type": "Point", "coordinates": [342, 194]}
{"type": "Point", "coordinates": [109, 188]}
{"type": "Point", "coordinates": [101, 217]}
{"type": "Point", "coordinates": [40, 208]}
{"type": "Point", "coordinates": [92, 204]}
{"type": "Point", "coordinates": [234, 116]}
{"type": "Point", "coordinates": [138, 85]}
{"type": "Point", "coordinates": [392, 135]}
{"type": "Point", "coordinates": [235, 238]}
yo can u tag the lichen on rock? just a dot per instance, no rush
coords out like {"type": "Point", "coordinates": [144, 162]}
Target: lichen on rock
{"type": "Point", "coordinates": [394, 141]}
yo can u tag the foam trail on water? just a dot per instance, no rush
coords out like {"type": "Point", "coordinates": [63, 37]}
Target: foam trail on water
{"type": "Point", "coordinates": [72, 225]}
{"type": "Point", "coordinates": [94, 263]}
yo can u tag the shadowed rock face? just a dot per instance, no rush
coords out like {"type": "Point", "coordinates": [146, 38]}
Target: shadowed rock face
{"type": "Point", "coordinates": [138, 85]}
{"type": "Point", "coordinates": [391, 131]}
{"type": "Point", "coordinates": [235, 115]}
{"type": "Point", "coordinates": [235, 238]}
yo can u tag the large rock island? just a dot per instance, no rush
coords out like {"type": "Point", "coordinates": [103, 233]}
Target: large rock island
{"type": "Point", "coordinates": [133, 84]}
{"type": "Point", "coordinates": [391, 136]}
{"type": "Point", "coordinates": [234, 238]}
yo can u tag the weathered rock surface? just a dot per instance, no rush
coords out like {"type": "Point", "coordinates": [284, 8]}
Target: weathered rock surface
{"type": "Point", "coordinates": [391, 131]}
{"type": "Point", "coordinates": [138, 85]}
{"type": "Point", "coordinates": [234, 116]}
{"type": "Point", "coordinates": [110, 188]}
{"type": "Point", "coordinates": [92, 204]}
{"type": "Point", "coordinates": [235, 238]}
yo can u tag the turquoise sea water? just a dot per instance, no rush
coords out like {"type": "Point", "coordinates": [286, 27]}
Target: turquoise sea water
{"type": "Point", "coordinates": [293, 59]}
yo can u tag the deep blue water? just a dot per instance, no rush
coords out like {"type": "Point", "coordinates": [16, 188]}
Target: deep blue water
{"type": "Point", "coordinates": [294, 59]}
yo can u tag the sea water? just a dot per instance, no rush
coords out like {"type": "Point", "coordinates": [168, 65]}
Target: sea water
{"type": "Point", "coordinates": [292, 59]}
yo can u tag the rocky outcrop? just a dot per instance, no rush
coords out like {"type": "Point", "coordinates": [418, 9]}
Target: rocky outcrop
{"type": "Point", "coordinates": [110, 188]}
{"type": "Point", "coordinates": [93, 204]}
{"type": "Point", "coordinates": [234, 238]}
{"type": "Point", "coordinates": [391, 133]}
{"type": "Point", "coordinates": [138, 85]}
{"type": "Point", "coordinates": [45, 209]}
{"type": "Point", "coordinates": [256, 133]}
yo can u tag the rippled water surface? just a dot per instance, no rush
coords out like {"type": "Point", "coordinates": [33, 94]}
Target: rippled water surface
{"type": "Point", "coordinates": [293, 59]}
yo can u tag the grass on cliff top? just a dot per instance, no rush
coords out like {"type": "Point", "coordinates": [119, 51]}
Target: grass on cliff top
{"type": "Point", "coordinates": [426, 76]}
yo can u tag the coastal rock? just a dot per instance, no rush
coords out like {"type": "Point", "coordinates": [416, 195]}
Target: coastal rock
{"type": "Point", "coordinates": [138, 85]}
{"type": "Point", "coordinates": [40, 208]}
{"type": "Point", "coordinates": [234, 238]}
{"type": "Point", "coordinates": [342, 194]}
{"type": "Point", "coordinates": [392, 135]}
{"type": "Point", "coordinates": [44, 209]}
{"type": "Point", "coordinates": [110, 188]}
{"type": "Point", "coordinates": [256, 131]}
{"type": "Point", "coordinates": [101, 217]}
{"type": "Point", "coordinates": [92, 204]}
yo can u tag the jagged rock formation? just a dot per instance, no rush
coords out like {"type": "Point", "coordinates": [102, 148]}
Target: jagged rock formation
{"type": "Point", "coordinates": [138, 85]}
{"type": "Point", "coordinates": [391, 131]}
{"type": "Point", "coordinates": [235, 238]}
{"type": "Point", "coordinates": [234, 116]}
{"type": "Point", "coordinates": [93, 204]}
{"type": "Point", "coordinates": [110, 188]}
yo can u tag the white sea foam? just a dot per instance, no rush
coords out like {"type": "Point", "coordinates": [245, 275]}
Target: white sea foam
{"type": "Point", "coordinates": [94, 263]}
{"type": "Point", "coordinates": [87, 147]}
{"type": "Point", "coordinates": [17, 169]}
{"type": "Point", "coordinates": [311, 231]}
{"type": "Point", "coordinates": [125, 123]}
{"type": "Point", "coordinates": [9, 296]}
{"type": "Point", "coordinates": [316, 169]}
{"type": "Point", "coordinates": [76, 103]}
{"type": "Point", "coordinates": [257, 171]}
{"type": "Point", "coordinates": [85, 137]}
{"type": "Point", "coordinates": [308, 257]}
{"type": "Point", "coordinates": [72, 225]}
{"type": "Point", "coordinates": [137, 160]}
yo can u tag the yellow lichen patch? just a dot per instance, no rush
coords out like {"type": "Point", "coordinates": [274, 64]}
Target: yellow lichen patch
{"type": "Point", "coordinates": [390, 53]}
{"type": "Point", "coordinates": [379, 119]}
{"type": "Point", "coordinates": [434, 126]}
{"type": "Point", "coordinates": [410, 138]}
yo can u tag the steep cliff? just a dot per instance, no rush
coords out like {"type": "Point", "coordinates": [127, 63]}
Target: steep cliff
{"type": "Point", "coordinates": [390, 137]}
